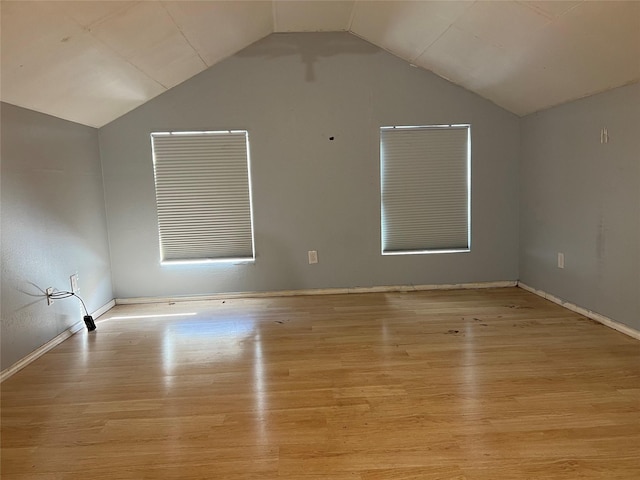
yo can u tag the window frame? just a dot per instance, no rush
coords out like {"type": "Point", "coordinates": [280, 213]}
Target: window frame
{"type": "Point", "coordinates": [421, 251]}
{"type": "Point", "coordinates": [164, 261]}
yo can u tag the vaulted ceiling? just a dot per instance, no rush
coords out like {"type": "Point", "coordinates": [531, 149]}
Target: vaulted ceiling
{"type": "Point", "coordinates": [92, 61]}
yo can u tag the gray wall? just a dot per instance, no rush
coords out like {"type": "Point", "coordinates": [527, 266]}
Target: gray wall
{"type": "Point", "coordinates": [52, 225]}
{"type": "Point", "coordinates": [292, 92]}
{"type": "Point", "coordinates": [582, 198]}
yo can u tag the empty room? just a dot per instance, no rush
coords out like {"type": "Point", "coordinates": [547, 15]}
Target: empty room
{"type": "Point", "coordinates": [364, 240]}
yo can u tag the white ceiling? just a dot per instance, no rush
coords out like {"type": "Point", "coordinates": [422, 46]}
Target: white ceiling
{"type": "Point", "coordinates": [92, 61]}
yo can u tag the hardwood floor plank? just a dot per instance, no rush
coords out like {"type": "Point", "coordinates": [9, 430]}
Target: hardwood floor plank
{"type": "Point", "coordinates": [466, 385]}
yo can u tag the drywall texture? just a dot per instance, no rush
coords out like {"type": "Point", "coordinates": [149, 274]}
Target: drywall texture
{"type": "Point", "coordinates": [292, 92]}
{"type": "Point", "coordinates": [53, 225]}
{"type": "Point", "coordinates": [582, 198]}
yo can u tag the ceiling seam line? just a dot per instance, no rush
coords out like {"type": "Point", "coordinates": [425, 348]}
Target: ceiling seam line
{"type": "Point", "coordinates": [445, 31]}
{"type": "Point", "coordinates": [88, 30]}
{"type": "Point", "coordinates": [126, 60]}
{"type": "Point", "coordinates": [424, 50]}
{"type": "Point", "coordinates": [274, 17]}
{"type": "Point", "coordinates": [106, 18]}
{"type": "Point", "coordinates": [186, 39]}
{"type": "Point", "coordinates": [352, 16]}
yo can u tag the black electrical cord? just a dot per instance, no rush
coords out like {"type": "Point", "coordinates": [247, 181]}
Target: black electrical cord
{"type": "Point", "coordinates": [65, 294]}
{"type": "Point", "coordinates": [88, 319]}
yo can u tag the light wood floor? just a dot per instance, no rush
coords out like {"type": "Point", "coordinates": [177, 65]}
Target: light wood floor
{"type": "Point", "coordinates": [478, 384]}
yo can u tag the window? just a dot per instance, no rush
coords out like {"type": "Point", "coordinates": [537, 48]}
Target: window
{"type": "Point", "coordinates": [425, 176]}
{"type": "Point", "coordinates": [203, 194]}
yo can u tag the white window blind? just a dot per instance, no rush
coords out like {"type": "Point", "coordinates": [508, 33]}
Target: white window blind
{"type": "Point", "coordinates": [425, 189]}
{"type": "Point", "coordinates": [203, 195]}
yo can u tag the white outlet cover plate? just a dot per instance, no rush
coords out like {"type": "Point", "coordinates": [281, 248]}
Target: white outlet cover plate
{"type": "Point", "coordinates": [74, 283]}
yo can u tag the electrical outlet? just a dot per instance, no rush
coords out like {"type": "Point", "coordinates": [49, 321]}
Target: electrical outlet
{"type": "Point", "coordinates": [560, 260]}
{"type": "Point", "coordinates": [49, 292]}
{"type": "Point", "coordinates": [74, 283]}
{"type": "Point", "coordinates": [313, 256]}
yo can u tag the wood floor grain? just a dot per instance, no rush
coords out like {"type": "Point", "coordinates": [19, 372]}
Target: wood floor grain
{"type": "Point", "coordinates": [468, 385]}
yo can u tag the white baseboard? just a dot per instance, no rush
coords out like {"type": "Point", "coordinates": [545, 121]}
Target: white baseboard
{"type": "Point", "coordinates": [620, 327]}
{"type": "Point", "coordinates": [54, 342]}
{"type": "Point", "coordinates": [6, 373]}
{"type": "Point", "coordinates": [38, 352]}
{"type": "Point", "coordinates": [103, 309]}
{"type": "Point", "coordinates": [315, 291]}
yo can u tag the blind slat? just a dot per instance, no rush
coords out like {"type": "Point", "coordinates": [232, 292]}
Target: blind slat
{"type": "Point", "coordinates": [424, 188]}
{"type": "Point", "coordinates": [203, 197]}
